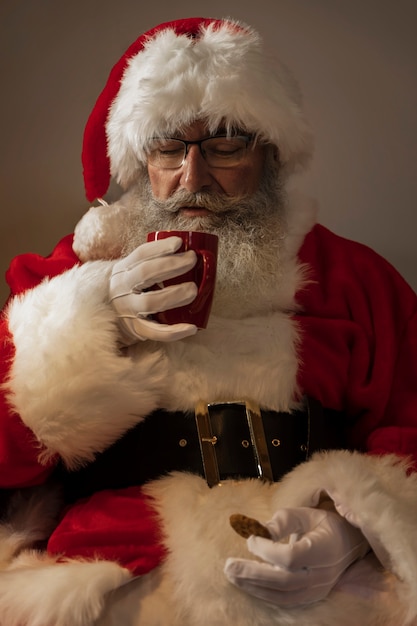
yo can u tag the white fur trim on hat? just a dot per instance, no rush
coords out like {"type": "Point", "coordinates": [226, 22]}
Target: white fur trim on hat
{"type": "Point", "coordinates": [223, 77]}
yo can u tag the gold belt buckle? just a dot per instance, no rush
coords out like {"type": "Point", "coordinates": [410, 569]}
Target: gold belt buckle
{"type": "Point", "coordinates": [208, 440]}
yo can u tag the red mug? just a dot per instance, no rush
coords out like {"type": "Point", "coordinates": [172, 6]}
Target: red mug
{"type": "Point", "coordinates": [203, 274]}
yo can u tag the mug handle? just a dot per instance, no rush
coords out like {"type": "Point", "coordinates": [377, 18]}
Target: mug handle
{"type": "Point", "coordinates": [208, 277]}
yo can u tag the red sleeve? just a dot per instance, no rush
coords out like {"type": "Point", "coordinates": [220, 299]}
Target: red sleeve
{"type": "Point", "coordinates": [359, 351]}
{"type": "Point", "coordinates": [28, 270]}
{"type": "Point", "coordinates": [397, 431]}
{"type": "Point", "coordinates": [19, 451]}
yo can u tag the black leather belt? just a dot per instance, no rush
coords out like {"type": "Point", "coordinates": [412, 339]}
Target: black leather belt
{"type": "Point", "coordinates": [218, 441]}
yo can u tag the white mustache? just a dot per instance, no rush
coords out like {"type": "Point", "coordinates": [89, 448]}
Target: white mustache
{"type": "Point", "coordinates": [202, 199]}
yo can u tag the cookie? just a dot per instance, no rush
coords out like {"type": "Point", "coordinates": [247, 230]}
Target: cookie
{"type": "Point", "coordinates": [247, 526]}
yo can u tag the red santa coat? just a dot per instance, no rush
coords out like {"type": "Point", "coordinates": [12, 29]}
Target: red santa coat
{"type": "Point", "coordinates": [348, 339]}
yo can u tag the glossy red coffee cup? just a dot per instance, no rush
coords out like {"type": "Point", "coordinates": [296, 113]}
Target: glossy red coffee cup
{"type": "Point", "coordinates": [205, 246]}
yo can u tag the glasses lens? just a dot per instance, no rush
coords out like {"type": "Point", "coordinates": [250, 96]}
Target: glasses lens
{"type": "Point", "coordinates": [166, 153]}
{"type": "Point", "coordinates": [225, 151]}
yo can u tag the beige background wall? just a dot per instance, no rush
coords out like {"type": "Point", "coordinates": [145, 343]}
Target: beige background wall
{"type": "Point", "coordinates": [356, 61]}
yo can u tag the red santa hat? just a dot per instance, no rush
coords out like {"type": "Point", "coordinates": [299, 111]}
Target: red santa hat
{"type": "Point", "coordinates": [184, 70]}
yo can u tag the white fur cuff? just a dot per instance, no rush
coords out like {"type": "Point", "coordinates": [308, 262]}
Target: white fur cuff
{"type": "Point", "coordinates": [69, 382]}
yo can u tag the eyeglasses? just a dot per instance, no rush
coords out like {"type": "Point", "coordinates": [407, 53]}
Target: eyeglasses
{"type": "Point", "coordinates": [219, 151]}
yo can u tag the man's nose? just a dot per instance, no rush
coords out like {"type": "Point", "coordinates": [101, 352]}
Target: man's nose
{"type": "Point", "coordinates": [195, 174]}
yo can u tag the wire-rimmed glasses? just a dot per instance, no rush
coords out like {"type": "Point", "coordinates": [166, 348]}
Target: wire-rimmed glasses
{"type": "Point", "coordinates": [218, 151]}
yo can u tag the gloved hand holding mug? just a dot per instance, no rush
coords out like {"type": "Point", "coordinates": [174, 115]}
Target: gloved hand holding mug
{"type": "Point", "coordinates": [150, 264]}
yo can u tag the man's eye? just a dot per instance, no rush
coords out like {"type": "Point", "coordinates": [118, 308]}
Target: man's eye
{"type": "Point", "coordinates": [169, 149]}
{"type": "Point", "coordinates": [225, 149]}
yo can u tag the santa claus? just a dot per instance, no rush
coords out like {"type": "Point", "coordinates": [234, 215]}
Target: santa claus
{"type": "Point", "coordinates": [117, 509]}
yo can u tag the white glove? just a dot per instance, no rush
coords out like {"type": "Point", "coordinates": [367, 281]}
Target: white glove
{"type": "Point", "coordinates": [149, 264]}
{"type": "Point", "coordinates": [310, 550]}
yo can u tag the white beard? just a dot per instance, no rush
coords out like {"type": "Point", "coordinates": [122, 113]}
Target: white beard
{"type": "Point", "coordinates": [251, 233]}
